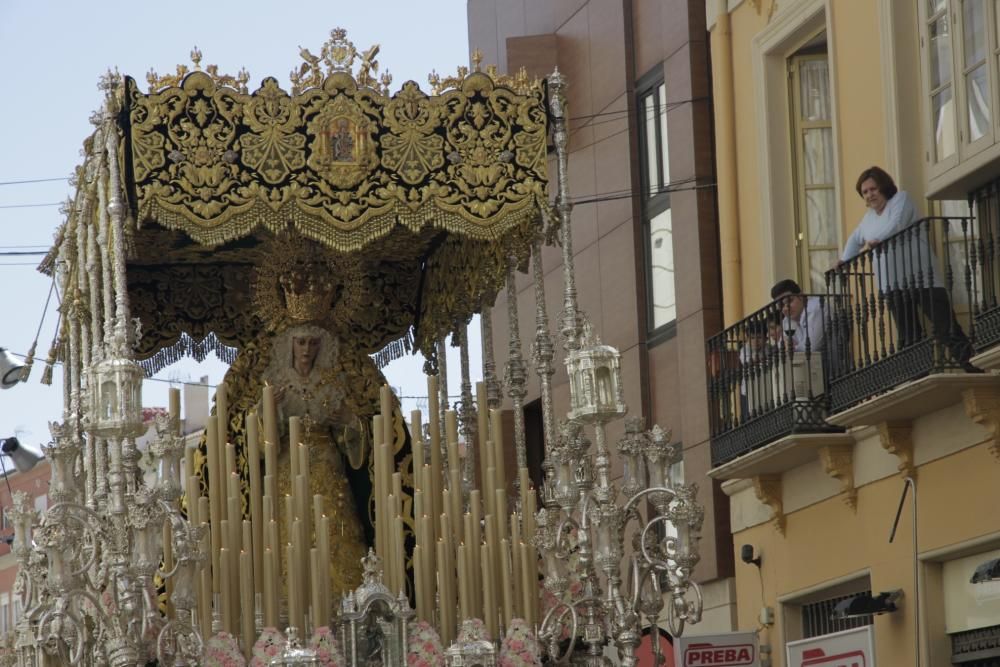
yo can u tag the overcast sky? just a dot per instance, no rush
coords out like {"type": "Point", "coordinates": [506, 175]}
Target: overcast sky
{"type": "Point", "coordinates": [53, 54]}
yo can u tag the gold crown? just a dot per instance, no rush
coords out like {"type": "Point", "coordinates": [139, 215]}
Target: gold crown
{"type": "Point", "coordinates": [308, 296]}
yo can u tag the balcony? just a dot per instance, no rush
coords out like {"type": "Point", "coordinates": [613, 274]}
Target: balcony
{"type": "Point", "coordinates": [899, 330]}
{"type": "Point", "coordinates": [767, 379]}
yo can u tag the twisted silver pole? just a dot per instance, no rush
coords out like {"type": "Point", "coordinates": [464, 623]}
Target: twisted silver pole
{"type": "Point", "coordinates": [515, 373]}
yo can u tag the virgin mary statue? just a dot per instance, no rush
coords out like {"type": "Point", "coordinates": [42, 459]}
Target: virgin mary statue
{"type": "Point", "coordinates": [333, 386]}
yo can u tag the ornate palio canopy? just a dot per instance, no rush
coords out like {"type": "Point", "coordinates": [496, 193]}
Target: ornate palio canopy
{"type": "Point", "coordinates": [413, 203]}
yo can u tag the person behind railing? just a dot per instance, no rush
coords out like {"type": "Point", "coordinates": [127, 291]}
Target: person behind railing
{"type": "Point", "coordinates": [803, 316]}
{"type": "Point", "coordinates": [753, 355]}
{"type": "Point", "coordinates": [908, 275]}
{"type": "Point", "coordinates": [798, 362]}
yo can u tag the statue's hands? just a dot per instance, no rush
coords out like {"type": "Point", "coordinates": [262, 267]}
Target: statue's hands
{"type": "Point", "coordinates": [279, 393]}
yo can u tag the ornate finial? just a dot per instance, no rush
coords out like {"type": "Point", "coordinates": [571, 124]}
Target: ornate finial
{"type": "Point", "coordinates": [158, 82]}
{"type": "Point", "coordinates": [338, 54]}
{"type": "Point", "coordinates": [520, 83]}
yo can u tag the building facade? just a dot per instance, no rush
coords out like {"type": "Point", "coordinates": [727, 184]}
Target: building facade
{"type": "Point", "coordinates": [644, 224]}
{"type": "Point", "coordinates": [858, 465]}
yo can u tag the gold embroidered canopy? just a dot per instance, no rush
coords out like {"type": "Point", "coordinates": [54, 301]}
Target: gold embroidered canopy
{"type": "Point", "coordinates": [415, 203]}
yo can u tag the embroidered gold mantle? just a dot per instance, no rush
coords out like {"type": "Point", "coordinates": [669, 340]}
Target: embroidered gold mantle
{"type": "Point", "coordinates": [461, 175]}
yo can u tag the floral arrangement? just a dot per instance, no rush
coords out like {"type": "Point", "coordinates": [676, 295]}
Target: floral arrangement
{"type": "Point", "coordinates": [520, 648]}
{"type": "Point", "coordinates": [423, 646]}
{"type": "Point", "coordinates": [222, 650]}
{"type": "Point", "coordinates": [473, 628]}
{"type": "Point", "coordinates": [327, 649]}
{"type": "Point", "coordinates": [269, 645]}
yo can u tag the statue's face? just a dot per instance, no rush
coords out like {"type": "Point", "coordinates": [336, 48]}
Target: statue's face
{"type": "Point", "coordinates": [304, 351]}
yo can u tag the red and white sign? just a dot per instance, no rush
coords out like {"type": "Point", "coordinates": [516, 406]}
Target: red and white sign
{"type": "Point", "coordinates": [850, 648]}
{"type": "Point", "coordinates": [734, 649]}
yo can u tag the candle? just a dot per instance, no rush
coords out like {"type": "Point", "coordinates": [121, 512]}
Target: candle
{"type": "Point", "coordinates": [399, 559]}
{"type": "Point", "coordinates": [270, 426]}
{"type": "Point", "coordinates": [430, 562]}
{"type": "Point", "coordinates": [501, 504]}
{"type": "Point", "coordinates": [205, 603]}
{"type": "Point", "coordinates": [477, 539]}
{"type": "Point", "coordinates": [301, 566]}
{"type": "Point", "coordinates": [523, 484]}
{"type": "Point", "coordinates": [515, 564]}
{"type": "Point", "coordinates": [418, 583]}
{"type": "Point", "coordinates": [530, 510]}
{"type": "Point", "coordinates": [388, 560]}
{"type": "Point", "coordinates": [256, 494]}
{"type": "Point", "coordinates": [216, 487]}
{"type": "Point", "coordinates": [472, 546]}
{"type": "Point", "coordinates": [417, 433]}
{"type": "Point", "coordinates": [323, 542]}
{"type": "Point", "coordinates": [528, 591]}
{"type": "Point", "coordinates": [489, 591]}
{"type": "Point", "coordinates": [505, 578]}
{"type": "Point", "coordinates": [463, 584]}
{"type": "Point", "coordinates": [272, 538]}
{"type": "Point", "coordinates": [294, 440]}
{"type": "Point", "coordinates": [235, 542]}
{"type": "Point", "coordinates": [174, 401]}
{"type": "Point", "coordinates": [482, 423]}
{"type": "Point", "coordinates": [294, 615]}
{"type": "Point", "coordinates": [247, 629]}
{"type": "Point", "coordinates": [491, 487]}
{"type": "Point", "coordinates": [385, 403]}
{"type": "Point", "coordinates": [451, 438]}
{"type": "Point", "coordinates": [222, 411]}
{"type": "Point", "coordinates": [227, 592]}
{"type": "Point", "coordinates": [380, 493]}
{"type": "Point", "coordinates": [456, 501]}
{"type": "Point", "coordinates": [233, 488]}
{"type": "Point", "coordinates": [270, 608]}
{"type": "Point", "coordinates": [434, 423]}
{"type": "Point", "coordinates": [447, 599]}
{"type": "Point", "coordinates": [319, 616]}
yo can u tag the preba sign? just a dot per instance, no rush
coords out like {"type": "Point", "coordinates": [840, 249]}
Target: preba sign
{"type": "Point", "coordinates": [735, 649]}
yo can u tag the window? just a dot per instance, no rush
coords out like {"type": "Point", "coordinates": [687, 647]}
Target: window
{"type": "Point", "coordinates": [657, 221]}
{"type": "Point", "coordinates": [816, 238]}
{"type": "Point", "coordinates": [960, 52]}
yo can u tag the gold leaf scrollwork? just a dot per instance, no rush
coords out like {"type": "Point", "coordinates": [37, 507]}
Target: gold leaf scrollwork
{"type": "Point", "coordinates": [411, 147]}
{"type": "Point", "coordinates": [273, 147]}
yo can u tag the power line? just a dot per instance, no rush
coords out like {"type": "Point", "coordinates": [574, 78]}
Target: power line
{"type": "Point", "coordinates": [55, 203]}
{"type": "Point", "coordinates": [13, 253]}
{"type": "Point", "coordinates": [34, 180]}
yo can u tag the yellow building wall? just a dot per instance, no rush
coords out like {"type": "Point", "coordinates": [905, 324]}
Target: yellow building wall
{"type": "Point", "coordinates": [957, 497]}
{"type": "Point", "coordinates": [853, 43]}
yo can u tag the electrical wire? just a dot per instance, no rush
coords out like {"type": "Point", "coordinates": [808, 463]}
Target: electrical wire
{"type": "Point", "coordinates": [55, 203]}
{"type": "Point", "coordinates": [34, 180]}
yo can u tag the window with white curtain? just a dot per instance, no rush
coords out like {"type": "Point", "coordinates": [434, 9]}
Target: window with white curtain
{"type": "Point", "coordinates": [655, 168]}
{"type": "Point", "coordinates": [816, 228]}
{"type": "Point", "coordinates": [961, 51]}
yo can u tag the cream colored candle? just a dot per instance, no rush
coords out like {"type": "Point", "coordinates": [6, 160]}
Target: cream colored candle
{"type": "Point", "coordinates": [451, 438]}
{"type": "Point", "coordinates": [204, 514]}
{"type": "Point", "coordinates": [434, 424]}
{"type": "Point", "coordinates": [276, 551]}
{"type": "Point", "coordinates": [222, 411]}
{"type": "Point", "coordinates": [270, 607]}
{"type": "Point", "coordinates": [399, 558]}
{"type": "Point", "coordinates": [469, 560]}
{"type": "Point", "coordinates": [256, 496]}
{"type": "Point", "coordinates": [205, 602]}
{"type": "Point", "coordinates": [418, 582]}
{"type": "Point", "coordinates": [216, 489]}
{"type": "Point", "coordinates": [417, 434]}
{"type": "Point", "coordinates": [501, 504]}
{"type": "Point", "coordinates": [476, 540]}
{"type": "Point", "coordinates": [530, 510]}
{"type": "Point", "coordinates": [491, 487]}
{"type": "Point", "coordinates": [319, 616]}
{"type": "Point", "coordinates": [506, 588]}
{"type": "Point", "coordinates": [247, 603]}
{"type": "Point", "coordinates": [528, 592]}
{"type": "Point", "coordinates": [523, 484]}
{"type": "Point", "coordinates": [489, 591]}
{"type": "Point", "coordinates": [380, 493]}
{"type": "Point", "coordinates": [446, 597]}
{"type": "Point", "coordinates": [515, 564]}
{"type": "Point", "coordinates": [323, 542]}
{"type": "Point", "coordinates": [294, 612]}
{"type": "Point", "coordinates": [463, 584]}
{"type": "Point", "coordinates": [493, 545]}
{"type": "Point", "coordinates": [294, 440]}
{"type": "Point", "coordinates": [270, 469]}
{"type": "Point", "coordinates": [227, 592]}
{"type": "Point", "coordinates": [389, 558]}
{"type": "Point", "coordinates": [235, 542]}
{"type": "Point", "coordinates": [270, 425]}
{"type": "Point", "coordinates": [174, 403]}
{"type": "Point", "coordinates": [430, 560]}
{"type": "Point", "coordinates": [455, 496]}
{"type": "Point", "coordinates": [385, 405]}
{"type": "Point", "coordinates": [233, 488]}
{"type": "Point", "coordinates": [482, 430]}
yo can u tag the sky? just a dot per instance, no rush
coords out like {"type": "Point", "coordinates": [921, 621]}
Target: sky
{"type": "Point", "coordinates": [54, 53]}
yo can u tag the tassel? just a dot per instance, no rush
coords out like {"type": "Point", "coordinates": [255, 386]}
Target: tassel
{"type": "Point", "coordinates": [50, 361]}
{"type": "Point", "coordinates": [28, 362]}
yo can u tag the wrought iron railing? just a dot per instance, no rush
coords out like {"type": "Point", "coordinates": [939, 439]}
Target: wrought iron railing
{"type": "Point", "coordinates": [985, 257]}
{"type": "Point", "coordinates": [894, 316]}
{"type": "Point", "coordinates": [766, 376]}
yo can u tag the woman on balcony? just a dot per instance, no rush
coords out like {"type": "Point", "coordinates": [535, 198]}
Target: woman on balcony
{"type": "Point", "coordinates": [906, 268]}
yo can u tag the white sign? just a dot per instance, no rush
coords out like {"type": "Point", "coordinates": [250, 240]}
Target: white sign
{"type": "Point", "coordinates": [850, 648]}
{"type": "Point", "coordinates": [733, 649]}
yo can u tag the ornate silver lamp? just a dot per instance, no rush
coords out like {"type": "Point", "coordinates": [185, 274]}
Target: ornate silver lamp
{"type": "Point", "coordinates": [585, 527]}
{"type": "Point", "coordinates": [294, 653]}
{"type": "Point", "coordinates": [372, 621]}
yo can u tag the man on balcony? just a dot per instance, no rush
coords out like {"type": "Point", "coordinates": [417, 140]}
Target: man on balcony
{"type": "Point", "coordinates": [799, 369]}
